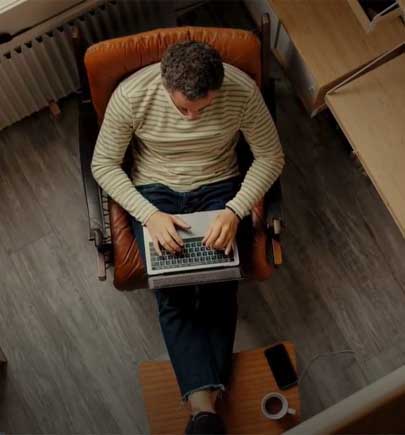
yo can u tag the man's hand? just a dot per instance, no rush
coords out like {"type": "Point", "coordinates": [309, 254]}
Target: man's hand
{"type": "Point", "coordinates": [161, 227]}
{"type": "Point", "coordinates": [222, 231]}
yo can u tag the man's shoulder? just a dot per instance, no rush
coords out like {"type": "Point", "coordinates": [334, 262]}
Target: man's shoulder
{"type": "Point", "coordinates": [142, 81]}
{"type": "Point", "coordinates": [238, 79]}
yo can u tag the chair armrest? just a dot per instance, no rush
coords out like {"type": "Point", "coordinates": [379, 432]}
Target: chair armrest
{"type": "Point", "coordinates": [273, 217]}
{"type": "Point", "coordinates": [252, 242]}
{"type": "Point", "coordinates": [272, 203]}
{"type": "Point", "coordinates": [128, 263]}
{"type": "Point", "coordinates": [88, 131]}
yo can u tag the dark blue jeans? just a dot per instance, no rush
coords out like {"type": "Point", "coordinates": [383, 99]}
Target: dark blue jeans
{"type": "Point", "coordinates": [198, 322]}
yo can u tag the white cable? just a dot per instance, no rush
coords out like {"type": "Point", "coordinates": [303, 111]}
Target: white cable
{"type": "Point", "coordinates": [300, 378]}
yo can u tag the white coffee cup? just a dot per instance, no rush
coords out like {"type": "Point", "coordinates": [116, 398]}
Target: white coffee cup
{"type": "Point", "coordinates": [283, 404]}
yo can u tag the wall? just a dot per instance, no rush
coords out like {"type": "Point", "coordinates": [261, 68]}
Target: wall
{"type": "Point", "coordinates": [17, 15]}
{"type": "Point", "coordinates": [377, 408]}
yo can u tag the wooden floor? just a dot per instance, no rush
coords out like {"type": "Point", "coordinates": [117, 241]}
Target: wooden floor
{"type": "Point", "coordinates": [74, 343]}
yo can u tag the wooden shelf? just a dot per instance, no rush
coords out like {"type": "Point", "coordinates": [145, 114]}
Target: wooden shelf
{"type": "Point", "coordinates": [368, 23]}
{"type": "Point", "coordinates": [370, 110]}
{"type": "Point", "coordinates": [329, 43]}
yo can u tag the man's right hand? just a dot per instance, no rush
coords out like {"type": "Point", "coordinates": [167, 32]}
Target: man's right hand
{"type": "Point", "coordinates": [162, 230]}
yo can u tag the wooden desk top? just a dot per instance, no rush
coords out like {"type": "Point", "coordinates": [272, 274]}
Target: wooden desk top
{"type": "Point", "coordinates": [371, 111]}
{"type": "Point", "coordinates": [330, 38]}
{"type": "Point", "coordinates": [240, 406]}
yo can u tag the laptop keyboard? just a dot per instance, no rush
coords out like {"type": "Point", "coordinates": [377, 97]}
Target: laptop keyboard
{"type": "Point", "coordinates": [194, 253]}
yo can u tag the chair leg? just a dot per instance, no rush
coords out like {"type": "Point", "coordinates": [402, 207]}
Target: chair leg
{"type": "Point", "coordinates": [3, 363]}
{"type": "Point", "coordinates": [277, 254]}
{"type": "Point", "coordinates": [101, 267]}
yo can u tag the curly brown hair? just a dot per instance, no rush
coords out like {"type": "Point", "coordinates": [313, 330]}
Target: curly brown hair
{"type": "Point", "coordinates": [193, 68]}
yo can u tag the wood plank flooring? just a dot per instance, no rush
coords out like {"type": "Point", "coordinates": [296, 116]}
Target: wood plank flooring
{"type": "Point", "coordinates": [73, 343]}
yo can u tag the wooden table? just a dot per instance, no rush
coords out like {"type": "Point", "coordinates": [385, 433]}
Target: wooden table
{"type": "Point", "coordinates": [370, 109]}
{"type": "Point", "coordinates": [240, 406]}
{"type": "Point", "coordinates": [320, 42]}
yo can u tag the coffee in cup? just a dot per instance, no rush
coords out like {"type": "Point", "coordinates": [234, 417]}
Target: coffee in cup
{"type": "Point", "coordinates": [275, 406]}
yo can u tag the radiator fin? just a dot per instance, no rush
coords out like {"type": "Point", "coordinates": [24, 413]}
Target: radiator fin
{"type": "Point", "coordinates": [43, 69]}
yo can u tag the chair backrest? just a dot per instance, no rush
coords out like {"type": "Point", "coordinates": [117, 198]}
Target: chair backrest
{"type": "Point", "coordinates": [109, 62]}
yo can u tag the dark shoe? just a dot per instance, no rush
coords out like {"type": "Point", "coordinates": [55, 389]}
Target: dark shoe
{"type": "Point", "coordinates": [205, 423]}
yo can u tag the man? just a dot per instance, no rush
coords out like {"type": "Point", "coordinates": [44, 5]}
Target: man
{"type": "Point", "coordinates": [187, 113]}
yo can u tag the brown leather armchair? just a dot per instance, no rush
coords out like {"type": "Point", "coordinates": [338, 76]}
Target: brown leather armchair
{"type": "Point", "coordinates": [101, 67]}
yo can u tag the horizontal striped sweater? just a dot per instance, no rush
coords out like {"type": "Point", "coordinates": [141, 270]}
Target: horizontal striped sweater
{"type": "Point", "coordinates": [180, 153]}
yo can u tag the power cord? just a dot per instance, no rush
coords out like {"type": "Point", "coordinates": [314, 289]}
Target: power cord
{"type": "Point", "coordinates": [305, 371]}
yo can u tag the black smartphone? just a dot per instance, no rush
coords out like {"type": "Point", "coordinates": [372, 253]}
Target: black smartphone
{"type": "Point", "coordinates": [281, 366]}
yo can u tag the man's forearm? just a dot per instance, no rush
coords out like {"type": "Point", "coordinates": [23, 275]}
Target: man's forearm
{"type": "Point", "coordinates": [258, 180]}
{"type": "Point", "coordinates": [261, 134]}
{"type": "Point", "coordinates": [112, 142]}
{"type": "Point", "coordinates": [115, 182]}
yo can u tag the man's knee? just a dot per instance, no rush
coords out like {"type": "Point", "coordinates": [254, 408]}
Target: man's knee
{"type": "Point", "coordinates": [219, 298]}
{"type": "Point", "coordinates": [178, 298]}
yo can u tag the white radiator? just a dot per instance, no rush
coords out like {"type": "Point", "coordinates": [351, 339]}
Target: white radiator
{"type": "Point", "coordinates": [38, 66]}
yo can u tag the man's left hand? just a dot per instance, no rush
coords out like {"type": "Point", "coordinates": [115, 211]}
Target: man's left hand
{"type": "Point", "coordinates": [222, 231]}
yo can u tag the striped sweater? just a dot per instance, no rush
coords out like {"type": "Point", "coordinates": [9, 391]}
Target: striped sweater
{"type": "Point", "coordinates": [184, 154]}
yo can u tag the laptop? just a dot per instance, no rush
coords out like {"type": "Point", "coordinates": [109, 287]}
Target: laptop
{"type": "Point", "coordinates": [196, 264]}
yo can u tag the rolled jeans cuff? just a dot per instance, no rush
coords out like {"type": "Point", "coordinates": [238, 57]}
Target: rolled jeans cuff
{"type": "Point", "coordinates": [204, 387]}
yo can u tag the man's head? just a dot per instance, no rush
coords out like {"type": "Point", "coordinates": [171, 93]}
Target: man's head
{"type": "Point", "coordinates": [192, 73]}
